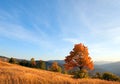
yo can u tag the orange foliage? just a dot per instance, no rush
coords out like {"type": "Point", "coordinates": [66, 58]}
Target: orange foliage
{"type": "Point", "coordinates": [54, 67]}
{"type": "Point", "coordinates": [79, 57]}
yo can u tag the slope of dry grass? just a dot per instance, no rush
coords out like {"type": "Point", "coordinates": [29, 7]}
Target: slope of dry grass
{"type": "Point", "coordinates": [15, 74]}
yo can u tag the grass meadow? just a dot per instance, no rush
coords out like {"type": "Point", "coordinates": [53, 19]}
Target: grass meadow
{"type": "Point", "coordinates": [15, 74]}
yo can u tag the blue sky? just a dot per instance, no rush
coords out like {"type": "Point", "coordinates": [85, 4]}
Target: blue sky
{"type": "Point", "coordinates": [48, 29]}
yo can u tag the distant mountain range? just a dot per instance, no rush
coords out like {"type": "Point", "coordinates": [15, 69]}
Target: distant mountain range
{"type": "Point", "coordinates": [61, 62]}
{"type": "Point", "coordinates": [99, 66]}
{"type": "Point", "coordinates": [102, 62]}
{"type": "Point", "coordinates": [113, 67]}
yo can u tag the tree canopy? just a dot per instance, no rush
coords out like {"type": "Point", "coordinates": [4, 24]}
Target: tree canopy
{"type": "Point", "coordinates": [55, 67]}
{"type": "Point", "coordinates": [79, 57]}
{"type": "Point", "coordinates": [42, 64]}
{"type": "Point", "coordinates": [33, 63]}
{"type": "Point", "coordinates": [12, 60]}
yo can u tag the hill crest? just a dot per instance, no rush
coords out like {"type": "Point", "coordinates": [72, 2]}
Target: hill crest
{"type": "Point", "coordinates": [15, 74]}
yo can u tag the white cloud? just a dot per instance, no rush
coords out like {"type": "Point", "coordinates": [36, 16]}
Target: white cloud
{"type": "Point", "coordinates": [15, 31]}
{"type": "Point", "coordinates": [110, 34]}
{"type": "Point", "coordinates": [18, 32]}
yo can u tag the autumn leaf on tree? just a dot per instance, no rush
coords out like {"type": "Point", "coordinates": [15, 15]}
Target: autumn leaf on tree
{"type": "Point", "coordinates": [55, 67]}
{"type": "Point", "coordinates": [79, 57]}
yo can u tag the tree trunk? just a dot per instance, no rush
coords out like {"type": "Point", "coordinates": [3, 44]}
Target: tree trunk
{"type": "Point", "coordinates": [80, 68]}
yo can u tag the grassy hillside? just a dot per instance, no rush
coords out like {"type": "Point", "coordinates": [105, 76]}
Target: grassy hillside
{"type": "Point", "coordinates": [15, 74]}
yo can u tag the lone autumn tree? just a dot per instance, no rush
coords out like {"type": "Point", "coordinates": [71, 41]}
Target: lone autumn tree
{"type": "Point", "coordinates": [79, 57]}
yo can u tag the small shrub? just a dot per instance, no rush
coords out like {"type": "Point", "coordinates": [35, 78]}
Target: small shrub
{"type": "Point", "coordinates": [55, 67]}
{"type": "Point", "coordinates": [64, 71]}
{"type": "Point", "coordinates": [97, 75]}
{"type": "Point", "coordinates": [24, 63]}
{"type": "Point", "coordinates": [110, 76]}
{"type": "Point", "coordinates": [81, 74]}
{"type": "Point", "coordinates": [12, 60]}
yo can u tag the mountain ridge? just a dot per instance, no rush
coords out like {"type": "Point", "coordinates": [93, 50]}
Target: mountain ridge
{"type": "Point", "coordinates": [16, 74]}
{"type": "Point", "coordinates": [99, 66]}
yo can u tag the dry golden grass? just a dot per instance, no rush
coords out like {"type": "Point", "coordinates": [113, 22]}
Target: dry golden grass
{"type": "Point", "coordinates": [15, 74]}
